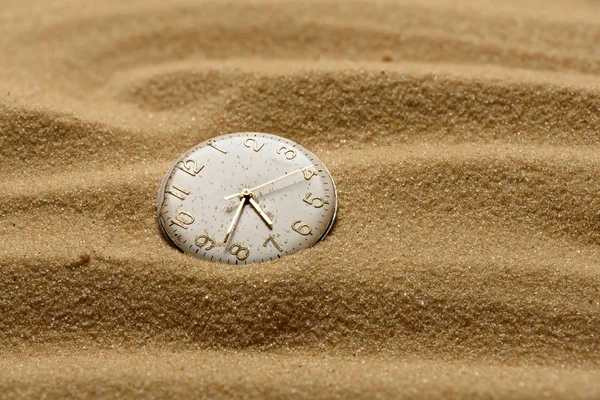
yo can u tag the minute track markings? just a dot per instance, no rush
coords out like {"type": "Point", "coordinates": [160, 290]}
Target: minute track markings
{"type": "Point", "coordinates": [234, 172]}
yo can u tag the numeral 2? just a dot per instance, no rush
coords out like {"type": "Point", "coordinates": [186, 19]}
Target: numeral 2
{"type": "Point", "coordinates": [255, 146]}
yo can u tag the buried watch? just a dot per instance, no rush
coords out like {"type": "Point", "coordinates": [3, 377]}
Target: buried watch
{"type": "Point", "coordinates": [246, 197]}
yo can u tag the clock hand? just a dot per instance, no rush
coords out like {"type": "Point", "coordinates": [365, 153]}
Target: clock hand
{"type": "Point", "coordinates": [268, 183]}
{"type": "Point", "coordinates": [236, 217]}
{"type": "Point", "coordinates": [261, 212]}
{"type": "Point", "coordinates": [281, 177]}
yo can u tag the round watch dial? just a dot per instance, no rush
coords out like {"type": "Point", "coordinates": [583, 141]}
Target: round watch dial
{"type": "Point", "coordinates": [246, 197]}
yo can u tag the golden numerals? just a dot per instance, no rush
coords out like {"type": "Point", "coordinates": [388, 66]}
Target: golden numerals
{"type": "Point", "coordinates": [214, 146]}
{"type": "Point", "coordinates": [308, 173]}
{"type": "Point", "coordinates": [316, 202]}
{"type": "Point", "coordinates": [204, 240]}
{"type": "Point", "coordinates": [179, 193]}
{"type": "Point", "coordinates": [190, 166]}
{"type": "Point", "coordinates": [303, 229]}
{"type": "Point", "coordinates": [183, 219]}
{"type": "Point", "coordinates": [239, 251]}
{"type": "Point", "coordinates": [254, 147]}
{"type": "Point", "coordinates": [271, 239]}
{"type": "Point", "coordinates": [289, 153]}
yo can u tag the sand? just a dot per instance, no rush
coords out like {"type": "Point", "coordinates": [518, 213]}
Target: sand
{"type": "Point", "coordinates": [464, 138]}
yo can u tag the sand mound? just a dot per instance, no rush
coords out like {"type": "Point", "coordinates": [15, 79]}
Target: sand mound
{"type": "Point", "coordinates": [464, 143]}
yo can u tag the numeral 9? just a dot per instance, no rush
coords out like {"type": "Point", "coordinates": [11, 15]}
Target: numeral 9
{"type": "Point", "coordinates": [203, 240]}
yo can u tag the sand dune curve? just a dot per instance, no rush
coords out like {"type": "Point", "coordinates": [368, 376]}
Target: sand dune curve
{"type": "Point", "coordinates": [464, 139]}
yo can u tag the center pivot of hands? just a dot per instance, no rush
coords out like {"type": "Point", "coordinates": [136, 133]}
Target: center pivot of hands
{"type": "Point", "coordinates": [246, 193]}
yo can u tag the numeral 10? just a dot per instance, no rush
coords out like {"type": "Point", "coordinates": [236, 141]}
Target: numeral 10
{"type": "Point", "coordinates": [183, 219]}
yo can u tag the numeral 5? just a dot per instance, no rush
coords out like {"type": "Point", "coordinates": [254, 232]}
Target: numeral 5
{"type": "Point", "coordinates": [316, 202]}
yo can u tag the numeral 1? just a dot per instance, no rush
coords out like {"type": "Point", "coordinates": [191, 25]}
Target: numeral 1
{"type": "Point", "coordinates": [214, 146]}
{"type": "Point", "coordinates": [272, 240]}
{"type": "Point", "coordinates": [181, 193]}
{"type": "Point", "coordinates": [183, 219]}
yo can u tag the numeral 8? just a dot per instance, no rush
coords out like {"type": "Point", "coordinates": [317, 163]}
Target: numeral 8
{"type": "Point", "coordinates": [239, 251]}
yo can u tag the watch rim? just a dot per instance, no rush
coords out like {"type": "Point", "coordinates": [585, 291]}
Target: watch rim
{"type": "Point", "coordinates": [161, 189]}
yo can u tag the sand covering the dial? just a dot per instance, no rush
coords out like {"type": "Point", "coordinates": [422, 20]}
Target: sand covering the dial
{"type": "Point", "coordinates": [463, 138]}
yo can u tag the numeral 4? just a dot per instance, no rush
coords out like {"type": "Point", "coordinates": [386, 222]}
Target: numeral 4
{"type": "Point", "coordinates": [308, 173]}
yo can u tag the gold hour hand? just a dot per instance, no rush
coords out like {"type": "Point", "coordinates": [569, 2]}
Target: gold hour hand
{"type": "Point", "coordinates": [261, 212]}
{"type": "Point", "coordinates": [236, 217]}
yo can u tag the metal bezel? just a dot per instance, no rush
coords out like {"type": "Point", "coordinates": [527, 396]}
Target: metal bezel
{"type": "Point", "coordinates": [167, 176]}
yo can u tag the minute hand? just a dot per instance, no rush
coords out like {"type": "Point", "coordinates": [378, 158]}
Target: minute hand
{"type": "Point", "coordinates": [268, 183]}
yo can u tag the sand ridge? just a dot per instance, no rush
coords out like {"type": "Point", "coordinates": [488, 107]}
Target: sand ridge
{"type": "Point", "coordinates": [464, 141]}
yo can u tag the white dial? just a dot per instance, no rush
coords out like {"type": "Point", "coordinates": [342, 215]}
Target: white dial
{"type": "Point", "coordinates": [246, 197]}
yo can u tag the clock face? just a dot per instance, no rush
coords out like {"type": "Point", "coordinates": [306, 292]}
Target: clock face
{"type": "Point", "coordinates": [246, 197]}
